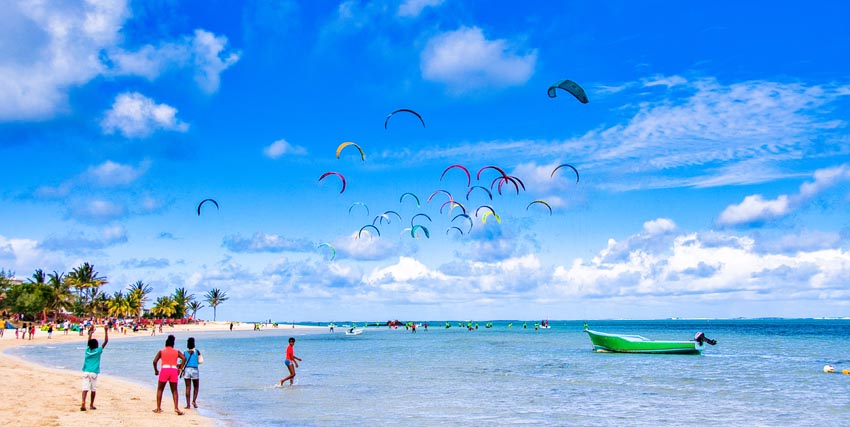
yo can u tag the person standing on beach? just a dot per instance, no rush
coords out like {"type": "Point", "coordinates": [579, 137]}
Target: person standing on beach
{"type": "Point", "coordinates": [191, 375]}
{"type": "Point", "coordinates": [291, 362]}
{"type": "Point", "coordinates": [91, 367]}
{"type": "Point", "coordinates": [168, 373]}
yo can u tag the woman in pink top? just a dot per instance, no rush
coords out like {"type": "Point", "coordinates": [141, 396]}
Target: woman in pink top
{"type": "Point", "coordinates": [168, 372]}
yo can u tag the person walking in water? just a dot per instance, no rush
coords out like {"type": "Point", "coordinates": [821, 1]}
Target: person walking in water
{"type": "Point", "coordinates": [291, 362]}
{"type": "Point", "coordinates": [191, 376]}
{"type": "Point", "coordinates": [91, 367]}
{"type": "Point", "coordinates": [168, 373]}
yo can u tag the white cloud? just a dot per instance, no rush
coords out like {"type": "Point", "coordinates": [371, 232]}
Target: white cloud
{"type": "Point", "coordinates": [203, 53]}
{"type": "Point", "coordinates": [96, 210]}
{"type": "Point", "coordinates": [465, 60]}
{"type": "Point", "coordinates": [706, 267]}
{"type": "Point", "coordinates": [207, 49]}
{"type": "Point", "coordinates": [56, 47]}
{"type": "Point", "coordinates": [109, 173]}
{"type": "Point", "coordinates": [137, 116]}
{"type": "Point", "coordinates": [412, 8]}
{"type": "Point", "coordinates": [659, 226]}
{"type": "Point", "coordinates": [756, 209]}
{"type": "Point", "coordinates": [281, 147]}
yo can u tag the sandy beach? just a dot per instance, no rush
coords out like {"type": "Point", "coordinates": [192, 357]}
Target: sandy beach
{"type": "Point", "coordinates": [34, 395]}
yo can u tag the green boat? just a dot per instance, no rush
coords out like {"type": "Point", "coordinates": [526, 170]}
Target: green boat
{"type": "Point", "coordinates": [614, 343]}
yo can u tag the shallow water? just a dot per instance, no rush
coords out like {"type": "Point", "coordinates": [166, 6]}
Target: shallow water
{"type": "Point", "coordinates": [761, 373]}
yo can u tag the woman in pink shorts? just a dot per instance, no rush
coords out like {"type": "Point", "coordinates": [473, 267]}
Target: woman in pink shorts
{"type": "Point", "coordinates": [168, 372]}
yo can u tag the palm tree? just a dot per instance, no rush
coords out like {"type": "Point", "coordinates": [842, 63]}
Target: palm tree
{"type": "Point", "coordinates": [215, 297]}
{"type": "Point", "coordinates": [182, 298]}
{"type": "Point", "coordinates": [60, 298]}
{"type": "Point", "coordinates": [138, 293]}
{"type": "Point", "coordinates": [38, 277]}
{"type": "Point", "coordinates": [164, 307]}
{"type": "Point", "coordinates": [86, 281]}
{"type": "Point", "coordinates": [195, 306]}
{"type": "Point", "coordinates": [119, 305]}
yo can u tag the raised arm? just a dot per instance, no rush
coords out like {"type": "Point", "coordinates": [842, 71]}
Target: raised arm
{"type": "Point", "coordinates": [106, 336]}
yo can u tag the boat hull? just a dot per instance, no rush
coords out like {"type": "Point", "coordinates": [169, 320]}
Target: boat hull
{"type": "Point", "coordinates": [613, 343]}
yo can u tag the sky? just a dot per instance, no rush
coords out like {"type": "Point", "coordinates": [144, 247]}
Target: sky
{"type": "Point", "coordinates": [713, 156]}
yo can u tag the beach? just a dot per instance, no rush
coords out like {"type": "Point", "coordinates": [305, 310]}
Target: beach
{"type": "Point", "coordinates": [35, 395]}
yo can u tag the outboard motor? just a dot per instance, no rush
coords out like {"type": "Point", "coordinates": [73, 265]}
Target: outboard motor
{"type": "Point", "coordinates": [701, 338]}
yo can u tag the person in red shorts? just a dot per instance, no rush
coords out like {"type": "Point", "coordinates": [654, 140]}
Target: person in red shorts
{"type": "Point", "coordinates": [168, 372]}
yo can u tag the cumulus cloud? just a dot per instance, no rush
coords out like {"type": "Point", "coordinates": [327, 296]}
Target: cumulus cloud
{"type": "Point", "coordinates": [56, 48]}
{"type": "Point", "coordinates": [466, 60]}
{"type": "Point", "coordinates": [708, 265]}
{"type": "Point", "coordinates": [137, 116]}
{"type": "Point", "coordinates": [203, 53]}
{"type": "Point", "coordinates": [412, 8]}
{"type": "Point", "coordinates": [262, 242]}
{"type": "Point", "coordinates": [659, 226]}
{"type": "Point", "coordinates": [53, 48]}
{"type": "Point", "coordinates": [281, 147]}
{"type": "Point", "coordinates": [755, 209]}
{"type": "Point", "coordinates": [367, 248]}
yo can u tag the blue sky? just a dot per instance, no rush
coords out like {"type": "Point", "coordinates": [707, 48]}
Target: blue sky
{"type": "Point", "coordinates": [713, 154]}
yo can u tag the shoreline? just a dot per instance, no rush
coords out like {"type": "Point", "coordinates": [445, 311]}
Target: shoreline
{"type": "Point", "coordinates": [35, 394]}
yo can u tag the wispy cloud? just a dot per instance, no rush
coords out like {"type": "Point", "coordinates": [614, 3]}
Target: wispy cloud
{"type": "Point", "coordinates": [412, 8]}
{"type": "Point", "coordinates": [77, 243]}
{"type": "Point", "coordinates": [465, 60]}
{"type": "Point", "coordinates": [108, 174]}
{"type": "Point", "coordinates": [146, 263]}
{"type": "Point", "coordinates": [757, 209]}
{"type": "Point", "coordinates": [137, 116]}
{"type": "Point", "coordinates": [262, 242]}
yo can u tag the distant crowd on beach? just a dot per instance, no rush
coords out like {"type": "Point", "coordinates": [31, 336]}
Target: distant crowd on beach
{"type": "Point", "coordinates": [26, 329]}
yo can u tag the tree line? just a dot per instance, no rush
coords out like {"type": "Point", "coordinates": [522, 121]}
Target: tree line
{"type": "Point", "coordinates": [80, 293]}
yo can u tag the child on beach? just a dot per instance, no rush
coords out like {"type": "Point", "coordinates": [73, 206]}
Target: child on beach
{"type": "Point", "coordinates": [168, 373]}
{"type": "Point", "coordinates": [291, 362]}
{"type": "Point", "coordinates": [91, 367]}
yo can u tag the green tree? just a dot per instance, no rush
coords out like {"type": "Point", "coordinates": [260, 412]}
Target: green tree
{"type": "Point", "coordinates": [182, 298]}
{"type": "Point", "coordinates": [60, 297]}
{"type": "Point", "coordinates": [87, 282]}
{"type": "Point", "coordinates": [138, 293]}
{"type": "Point", "coordinates": [119, 305]}
{"type": "Point", "coordinates": [27, 298]}
{"type": "Point", "coordinates": [194, 306]}
{"type": "Point", "coordinates": [164, 307]}
{"type": "Point", "coordinates": [215, 297]}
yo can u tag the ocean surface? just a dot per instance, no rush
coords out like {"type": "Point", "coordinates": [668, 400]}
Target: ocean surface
{"type": "Point", "coordinates": [765, 372]}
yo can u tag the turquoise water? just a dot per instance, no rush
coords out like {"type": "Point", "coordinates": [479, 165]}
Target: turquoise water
{"type": "Point", "coordinates": [761, 373]}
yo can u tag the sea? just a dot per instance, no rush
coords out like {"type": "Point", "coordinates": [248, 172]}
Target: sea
{"type": "Point", "coordinates": [762, 372]}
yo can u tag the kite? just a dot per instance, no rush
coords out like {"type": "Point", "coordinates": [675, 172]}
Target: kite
{"type": "Point", "coordinates": [204, 201]}
{"type": "Point", "coordinates": [551, 175]}
{"type": "Point", "coordinates": [401, 199]}
{"type": "Point", "coordinates": [569, 86]}
{"type": "Point", "coordinates": [403, 110]}
{"type": "Point", "coordinates": [542, 202]}
{"type": "Point", "coordinates": [465, 170]}
{"type": "Point", "coordinates": [342, 178]}
{"type": "Point", "coordinates": [328, 245]}
{"type": "Point", "coordinates": [346, 144]}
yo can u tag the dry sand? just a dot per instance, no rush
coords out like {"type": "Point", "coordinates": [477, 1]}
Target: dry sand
{"type": "Point", "coordinates": [34, 395]}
